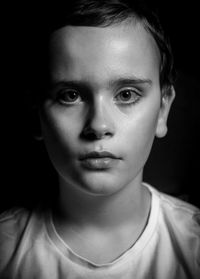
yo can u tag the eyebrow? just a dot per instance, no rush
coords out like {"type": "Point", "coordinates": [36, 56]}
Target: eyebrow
{"type": "Point", "coordinates": [118, 81]}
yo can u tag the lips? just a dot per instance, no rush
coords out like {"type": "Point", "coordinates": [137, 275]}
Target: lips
{"type": "Point", "coordinates": [98, 160]}
{"type": "Point", "coordinates": [95, 154]}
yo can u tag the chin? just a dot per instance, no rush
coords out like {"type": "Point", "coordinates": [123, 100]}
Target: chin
{"type": "Point", "coordinates": [101, 185]}
{"type": "Point", "coordinates": [98, 183]}
{"type": "Point", "coordinates": [100, 190]}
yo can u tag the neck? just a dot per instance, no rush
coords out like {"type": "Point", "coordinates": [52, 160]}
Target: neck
{"type": "Point", "coordinates": [128, 206]}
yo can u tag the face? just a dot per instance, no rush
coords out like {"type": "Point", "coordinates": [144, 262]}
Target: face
{"type": "Point", "coordinates": [103, 107]}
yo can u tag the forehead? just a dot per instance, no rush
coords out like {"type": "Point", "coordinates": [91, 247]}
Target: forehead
{"type": "Point", "coordinates": [98, 52]}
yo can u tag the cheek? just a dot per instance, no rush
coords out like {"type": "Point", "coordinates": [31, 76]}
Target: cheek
{"type": "Point", "coordinates": [60, 127]}
{"type": "Point", "coordinates": [60, 134]}
{"type": "Point", "coordinates": [139, 134]}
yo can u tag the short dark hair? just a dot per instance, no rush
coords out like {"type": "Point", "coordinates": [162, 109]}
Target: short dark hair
{"type": "Point", "coordinates": [103, 13]}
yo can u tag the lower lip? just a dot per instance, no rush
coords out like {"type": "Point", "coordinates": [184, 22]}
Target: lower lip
{"type": "Point", "coordinates": [99, 163]}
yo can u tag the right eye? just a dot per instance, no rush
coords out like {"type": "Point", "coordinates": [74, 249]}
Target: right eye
{"type": "Point", "coordinates": [69, 97]}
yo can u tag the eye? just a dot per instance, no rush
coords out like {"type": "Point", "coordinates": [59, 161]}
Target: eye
{"type": "Point", "coordinates": [69, 96]}
{"type": "Point", "coordinates": [127, 96]}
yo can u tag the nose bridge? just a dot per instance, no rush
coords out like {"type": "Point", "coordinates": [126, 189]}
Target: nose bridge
{"type": "Point", "coordinates": [100, 109]}
{"type": "Point", "coordinates": [100, 119]}
{"type": "Point", "coordinates": [101, 112]}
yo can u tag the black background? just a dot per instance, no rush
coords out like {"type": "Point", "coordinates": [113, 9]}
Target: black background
{"type": "Point", "coordinates": [173, 166]}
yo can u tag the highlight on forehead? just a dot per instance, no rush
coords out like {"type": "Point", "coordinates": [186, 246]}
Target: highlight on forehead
{"type": "Point", "coordinates": [123, 49]}
{"type": "Point", "coordinates": [127, 18]}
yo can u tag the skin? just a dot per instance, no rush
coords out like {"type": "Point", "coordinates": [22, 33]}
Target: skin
{"type": "Point", "coordinates": [116, 107]}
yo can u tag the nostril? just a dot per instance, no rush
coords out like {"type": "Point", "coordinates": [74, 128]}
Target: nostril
{"type": "Point", "coordinates": [90, 133]}
{"type": "Point", "coordinates": [99, 123]}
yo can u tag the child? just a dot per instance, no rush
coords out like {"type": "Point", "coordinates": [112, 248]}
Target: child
{"type": "Point", "coordinates": [109, 92]}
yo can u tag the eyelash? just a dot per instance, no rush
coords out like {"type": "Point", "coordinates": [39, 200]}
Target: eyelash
{"type": "Point", "coordinates": [61, 94]}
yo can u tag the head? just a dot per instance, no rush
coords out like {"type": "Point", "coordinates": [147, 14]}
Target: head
{"type": "Point", "coordinates": [108, 88]}
{"type": "Point", "coordinates": [99, 14]}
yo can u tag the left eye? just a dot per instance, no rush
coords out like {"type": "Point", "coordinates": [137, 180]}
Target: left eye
{"type": "Point", "coordinates": [127, 96]}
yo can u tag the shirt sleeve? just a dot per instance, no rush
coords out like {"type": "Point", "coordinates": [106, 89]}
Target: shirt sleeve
{"type": "Point", "coordinates": [12, 223]}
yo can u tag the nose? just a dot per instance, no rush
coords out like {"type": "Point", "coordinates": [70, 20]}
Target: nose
{"type": "Point", "coordinates": [99, 123]}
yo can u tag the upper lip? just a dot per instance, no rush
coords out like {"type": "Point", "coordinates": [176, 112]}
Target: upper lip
{"type": "Point", "coordinates": [95, 154]}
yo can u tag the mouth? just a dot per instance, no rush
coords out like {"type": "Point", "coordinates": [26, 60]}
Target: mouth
{"type": "Point", "coordinates": [99, 160]}
{"type": "Point", "coordinates": [95, 154]}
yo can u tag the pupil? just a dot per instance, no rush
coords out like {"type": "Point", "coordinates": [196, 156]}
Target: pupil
{"type": "Point", "coordinates": [126, 95]}
{"type": "Point", "coordinates": [72, 95]}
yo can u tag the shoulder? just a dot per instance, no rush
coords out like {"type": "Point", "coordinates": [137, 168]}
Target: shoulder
{"type": "Point", "coordinates": [13, 222]}
{"type": "Point", "coordinates": [12, 225]}
{"type": "Point", "coordinates": [13, 218]}
{"type": "Point", "coordinates": [176, 208]}
{"type": "Point", "coordinates": [179, 221]}
{"type": "Point", "coordinates": [181, 212]}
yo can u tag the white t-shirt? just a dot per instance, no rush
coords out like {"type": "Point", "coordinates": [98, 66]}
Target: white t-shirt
{"type": "Point", "coordinates": [168, 248]}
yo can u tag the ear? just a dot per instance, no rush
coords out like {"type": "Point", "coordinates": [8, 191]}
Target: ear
{"type": "Point", "coordinates": [166, 102]}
